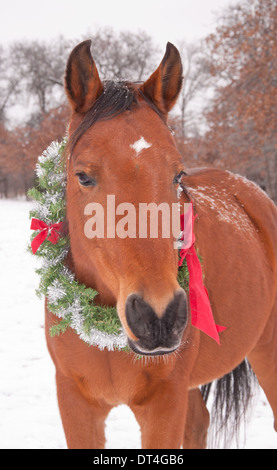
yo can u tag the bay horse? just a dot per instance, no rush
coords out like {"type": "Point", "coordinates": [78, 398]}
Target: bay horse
{"type": "Point", "coordinates": [235, 234]}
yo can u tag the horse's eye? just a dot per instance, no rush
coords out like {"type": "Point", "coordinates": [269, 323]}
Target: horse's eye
{"type": "Point", "coordinates": [86, 180]}
{"type": "Point", "coordinates": [178, 177]}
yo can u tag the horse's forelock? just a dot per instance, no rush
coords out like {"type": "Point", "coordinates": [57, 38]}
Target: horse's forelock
{"type": "Point", "coordinates": [117, 97]}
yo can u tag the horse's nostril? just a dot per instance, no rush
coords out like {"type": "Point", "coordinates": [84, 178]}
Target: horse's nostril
{"type": "Point", "coordinates": [175, 316]}
{"type": "Point", "coordinates": [140, 316]}
{"type": "Point", "coordinates": [152, 332]}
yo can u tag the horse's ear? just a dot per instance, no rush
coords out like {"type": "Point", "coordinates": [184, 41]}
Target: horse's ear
{"type": "Point", "coordinates": [82, 83]}
{"type": "Point", "coordinates": [164, 85]}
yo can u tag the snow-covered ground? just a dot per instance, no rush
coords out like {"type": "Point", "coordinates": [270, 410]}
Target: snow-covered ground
{"type": "Point", "coordinates": [29, 416]}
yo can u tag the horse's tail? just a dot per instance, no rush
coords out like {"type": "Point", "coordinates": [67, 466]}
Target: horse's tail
{"type": "Point", "coordinates": [231, 396]}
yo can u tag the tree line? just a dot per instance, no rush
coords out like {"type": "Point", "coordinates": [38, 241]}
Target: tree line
{"type": "Point", "coordinates": [225, 117]}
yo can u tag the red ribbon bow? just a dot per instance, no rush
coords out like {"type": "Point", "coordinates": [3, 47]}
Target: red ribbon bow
{"type": "Point", "coordinates": [201, 312]}
{"type": "Point", "coordinates": [51, 232]}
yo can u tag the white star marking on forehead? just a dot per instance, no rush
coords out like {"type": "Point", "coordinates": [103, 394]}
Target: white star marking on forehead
{"type": "Point", "coordinates": [140, 145]}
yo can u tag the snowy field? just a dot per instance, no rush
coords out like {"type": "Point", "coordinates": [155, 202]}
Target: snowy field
{"type": "Point", "coordinates": [29, 416]}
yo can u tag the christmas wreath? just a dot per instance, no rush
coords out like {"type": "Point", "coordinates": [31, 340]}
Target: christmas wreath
{"type": "Point", "coordinates": [71, 301]}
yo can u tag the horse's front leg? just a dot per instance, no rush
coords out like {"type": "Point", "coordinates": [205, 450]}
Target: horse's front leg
{"type": "Point", "coordinates": [83, 421]}
{"type": "Point", "coordinates": [197, 422]}
{"type": "Point", "coordinates": [162, 415]}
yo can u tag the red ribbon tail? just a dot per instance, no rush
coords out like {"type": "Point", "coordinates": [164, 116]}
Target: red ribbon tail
{"type": "Point", "coordinates": [183, 254]}
{"type": "Point", "coordinates": [201, 312]}
{"type": "Point", "coordinates": [38, 240]}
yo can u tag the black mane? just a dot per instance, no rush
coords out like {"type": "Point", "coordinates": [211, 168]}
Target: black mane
{"type": "Point", "coordinates": [117, 97]}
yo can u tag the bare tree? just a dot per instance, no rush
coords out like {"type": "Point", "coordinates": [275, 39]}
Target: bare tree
{"type": "Point", "coordinates": [9, 84]}
{"type": "Point", "coordinates": [40, 68]}
{"type": "Point", "coordinates": [197, 79]}
{"type": "Point", "coordinates": [123, 55]}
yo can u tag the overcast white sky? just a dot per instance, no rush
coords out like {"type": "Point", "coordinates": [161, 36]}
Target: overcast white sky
{"type": "Point", "coordinates": [164, 20]}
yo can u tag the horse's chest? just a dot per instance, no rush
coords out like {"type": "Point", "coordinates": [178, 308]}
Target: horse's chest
{"type": "Point", "coordinates": [113, 383]}
{"type": "Point", "coordinates": [117, 382]}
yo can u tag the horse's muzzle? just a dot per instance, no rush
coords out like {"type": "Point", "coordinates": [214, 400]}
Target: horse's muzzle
{"type": "Point", "coordinates": [156, 335]}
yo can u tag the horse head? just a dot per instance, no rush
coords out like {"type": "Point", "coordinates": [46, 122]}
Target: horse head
{"type": "Point", "coordinates": [121, 156]}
